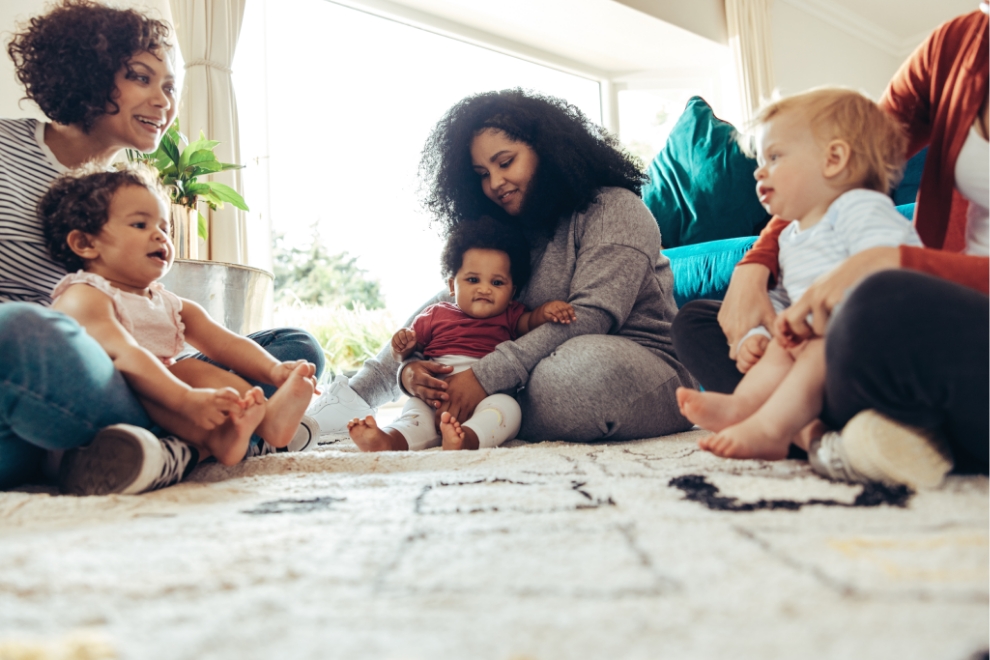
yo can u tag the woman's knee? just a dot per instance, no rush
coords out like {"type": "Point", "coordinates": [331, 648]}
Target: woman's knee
{"type": "Point", "coordinates": [594, 387]}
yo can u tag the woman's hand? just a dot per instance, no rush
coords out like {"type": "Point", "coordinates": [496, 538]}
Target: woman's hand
{"type": "Point", "coordinates": [465, 393]}
{"type": "Point", "coordinates": [828, 290]}
{"type": "Point", "coordinates": [746, 305]}
{"type": "Point", "coordinates": [420, 380]}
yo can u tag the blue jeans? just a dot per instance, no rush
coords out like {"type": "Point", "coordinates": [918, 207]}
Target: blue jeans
{"type": "Point", "coordinates": [59, 387]}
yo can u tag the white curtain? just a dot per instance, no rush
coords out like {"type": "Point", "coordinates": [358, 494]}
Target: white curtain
{"type": "Point", "coordinates": [207, 32]}
{"type": "Point", "coordinates": [751, 43]}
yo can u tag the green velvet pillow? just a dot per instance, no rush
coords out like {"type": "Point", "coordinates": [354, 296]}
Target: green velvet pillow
{"type": "Point", "coordinates": [701, 184]}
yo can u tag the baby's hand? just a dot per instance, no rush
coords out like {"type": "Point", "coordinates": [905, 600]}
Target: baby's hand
{"type": "Point", "coordinates": [751, 351]}
{"type": "Point", "coordinates": [209, 408]}
{"type": "Point", "coordinates": [403, 343]}
{"type": "Point", "coordinates": [785, 335]}
{"type": "Point", "coordinates": [558, 311]}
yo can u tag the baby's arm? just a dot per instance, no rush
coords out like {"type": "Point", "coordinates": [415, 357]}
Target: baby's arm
{"type": "Point", "coordinates": [557, 311]}
{"type": "Point", "coordinates": [249, 360]}
{"type": "Point", "coordinates": [93, 309]}
{"type": "Point", "coordinates": [404, 344]}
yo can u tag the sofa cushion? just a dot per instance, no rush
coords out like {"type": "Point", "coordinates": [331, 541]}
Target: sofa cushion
{"type": "Point", "coordinates": [701, 185]}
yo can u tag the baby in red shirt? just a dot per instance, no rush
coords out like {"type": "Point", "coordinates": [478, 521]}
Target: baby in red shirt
{"type": "Point", "coordinates": [486, 263]}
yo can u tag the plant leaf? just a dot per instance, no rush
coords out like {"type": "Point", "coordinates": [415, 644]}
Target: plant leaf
{"type": "Point", "coordinates": [194, 147]}
{"type": "Point", "coordinates": [227, 194]}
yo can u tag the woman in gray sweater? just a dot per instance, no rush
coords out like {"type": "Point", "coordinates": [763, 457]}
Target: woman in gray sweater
{"type": "Point", "coordinates": [610, 374]}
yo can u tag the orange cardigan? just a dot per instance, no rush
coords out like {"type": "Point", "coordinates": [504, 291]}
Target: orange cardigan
{"type": "Point", "coordinates": [936, 94]}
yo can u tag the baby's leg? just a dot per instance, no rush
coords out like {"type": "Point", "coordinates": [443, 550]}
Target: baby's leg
{"type": "Point", "coordinates": [369, 437]}
{"type": "Point", "coordinates": [413, 429]}
{"type": "Point", "coordinates": [285, 409]}
{"type": "Point", "coordinates": [228, 442]}
{"type": "Point", "coordinates": [495, 420]}
{"type": "Point", "coordinates": [714, 411]}
{"type": "Point", "coordinates": [796, 402]}
{"type": "Point", "coordinates": [196, 373]}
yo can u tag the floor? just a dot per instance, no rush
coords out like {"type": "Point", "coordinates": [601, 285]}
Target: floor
{"type": "Point", "coordinates": [643, 549]}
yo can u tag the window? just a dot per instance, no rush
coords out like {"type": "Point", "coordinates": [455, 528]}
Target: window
{"type": "Point", "coordinates": [335, 106]}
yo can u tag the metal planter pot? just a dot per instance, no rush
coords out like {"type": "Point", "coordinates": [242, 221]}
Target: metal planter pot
{"type": "Point", "coordinates": [240, 298]}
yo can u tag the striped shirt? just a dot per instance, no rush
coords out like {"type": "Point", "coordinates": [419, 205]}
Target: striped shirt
{"type": "Point", "coordinates": [27, 169]}
{"type": "Point", "coordinates": [857, 220]}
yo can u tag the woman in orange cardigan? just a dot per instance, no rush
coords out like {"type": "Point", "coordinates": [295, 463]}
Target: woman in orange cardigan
{"type": "Point", "coordinates": [906, 328]}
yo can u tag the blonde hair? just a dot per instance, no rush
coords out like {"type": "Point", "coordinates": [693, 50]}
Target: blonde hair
{"type": "Point", "coordinates": [877, 143]}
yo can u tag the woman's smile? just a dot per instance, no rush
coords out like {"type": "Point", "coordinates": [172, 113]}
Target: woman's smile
{"type": "Point", "coordinates": [506, 168]}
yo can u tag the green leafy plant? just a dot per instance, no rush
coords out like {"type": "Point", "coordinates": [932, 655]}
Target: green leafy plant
{"type": "Point", "coordinates": [180, 163]}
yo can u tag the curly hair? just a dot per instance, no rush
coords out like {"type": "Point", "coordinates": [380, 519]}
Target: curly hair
{"type": "Point", "coordinates": [576, 158]}
{"type": "Point", "coordinates": [81, 200]}
{"type": "Point", "coordinates": [68, 59]}
{"type": "Point", "coordinates": [487, 233]}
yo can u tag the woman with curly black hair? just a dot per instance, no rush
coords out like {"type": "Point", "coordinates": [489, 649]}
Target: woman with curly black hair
{"type": "Point", "coordinates": [540, 164]}
{"type": "Point", "coordinates": [104, 78]}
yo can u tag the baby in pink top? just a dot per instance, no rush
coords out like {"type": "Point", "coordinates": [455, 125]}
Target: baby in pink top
{"type": "Point", "coordinates": [113, 228]}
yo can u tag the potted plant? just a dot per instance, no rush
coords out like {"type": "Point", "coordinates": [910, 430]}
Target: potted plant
{"type": "Point", "coordinates": [180, 163]}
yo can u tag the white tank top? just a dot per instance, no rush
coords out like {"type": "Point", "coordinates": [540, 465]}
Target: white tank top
{"type": "Point", "coordinates": [973, 182]}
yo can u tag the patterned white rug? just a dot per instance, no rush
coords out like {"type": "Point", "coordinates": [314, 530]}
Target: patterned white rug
{"type": "Point", "coordinates": [644, 549]}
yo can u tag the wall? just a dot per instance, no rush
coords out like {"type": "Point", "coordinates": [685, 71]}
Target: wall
{"type": "Point", "coordinates": [703, 17]}
{"type": "Point", "coordinates": [809, 52]}
{"type": "Point", "coordinates": [15, 12]}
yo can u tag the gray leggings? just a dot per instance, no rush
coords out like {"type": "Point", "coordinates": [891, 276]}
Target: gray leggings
{"type": "Point", "coordinates": [593, 387]}
{"type": "Point", "coordinates": [602, 387]}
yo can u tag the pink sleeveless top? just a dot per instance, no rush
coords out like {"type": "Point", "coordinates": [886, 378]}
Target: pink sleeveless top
{"type": "Point", "coordinates": [154, 322]}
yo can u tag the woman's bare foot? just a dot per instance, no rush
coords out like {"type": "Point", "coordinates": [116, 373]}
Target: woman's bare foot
{"type": "Point", "coordinates": [710, 410]}
{"type": "Point", "coordinates": [286, 407]}
{"type": "Point", "coordinates": [229, 442]}
{"type": "Point", "coordinates": [748, 439]}
{"type": "Point", "coordinates": [455, 437]}
{"type": "Point", "coordinates": [368, 437]}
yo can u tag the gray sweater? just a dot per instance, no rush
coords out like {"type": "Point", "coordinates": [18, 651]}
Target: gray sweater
{"type": "Point", "coordinates": [606, 262]}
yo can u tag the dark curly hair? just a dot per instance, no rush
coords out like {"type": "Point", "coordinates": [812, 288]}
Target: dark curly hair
{"type": "Point", "coordinates": [487, 233]}
{"type": "Point", "coordinates": [576, 158]}
{"type": "Point", "coordinates": [81, 200]}
{"type": "Point", "coordinates": [68, 59]}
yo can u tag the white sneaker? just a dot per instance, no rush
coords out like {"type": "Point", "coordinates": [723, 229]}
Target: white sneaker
{"type": "Point", "coordinates": [124, 459]}
{"type": "Point", "coordinates": [305, 438]}
{"type": "Point", "coordinates": [873, 447]}
{"type": "Point", "coordinates": [337, 405]}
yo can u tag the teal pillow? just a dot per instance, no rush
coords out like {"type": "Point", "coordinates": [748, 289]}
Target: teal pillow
{"type": "Point", "coordinates": [701, 184]}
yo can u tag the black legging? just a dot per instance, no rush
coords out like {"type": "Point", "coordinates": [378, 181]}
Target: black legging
{"type": "Point", "coordinates": [911, 346]}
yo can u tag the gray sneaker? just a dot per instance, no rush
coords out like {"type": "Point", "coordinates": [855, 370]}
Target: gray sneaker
{"type": "Point", "coordinates": [337, 405]}
{"type": "Point", "coordinates": [126, 460]}
{"type": "Point", "coordinates": [873, 447]}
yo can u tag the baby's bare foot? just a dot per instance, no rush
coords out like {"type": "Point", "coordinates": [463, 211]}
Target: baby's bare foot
{"type": "Point", "coordinates": [748, 439]}
{"type": "Point", "coordinates": [286, 407]}
{"type": "Point", "coordinates": [709, 410]}
{"type": "Point", "coordinates": [455, 437]}
{"type": "Point", "coordinates": [229, 441]}
{"type": "Point", "coordinates": [367, 436]}
{"type": "Point", "coordinates": [451, 433]}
